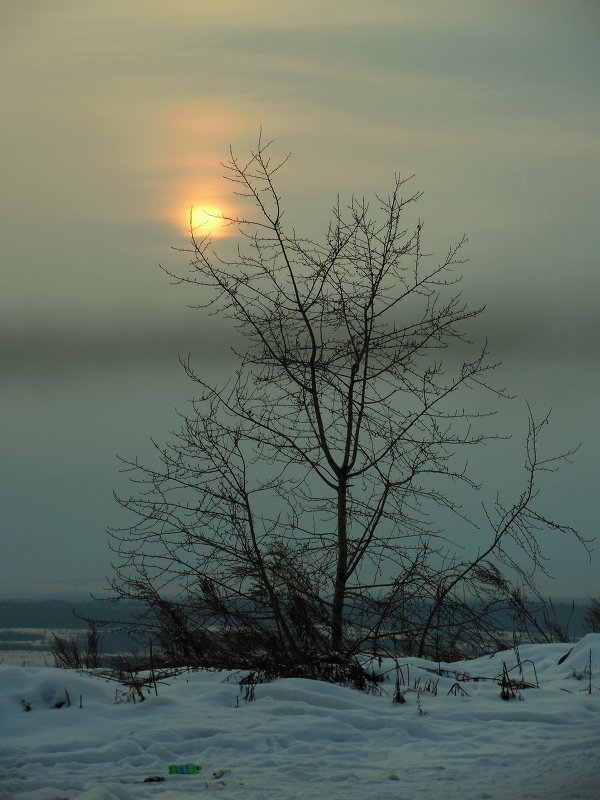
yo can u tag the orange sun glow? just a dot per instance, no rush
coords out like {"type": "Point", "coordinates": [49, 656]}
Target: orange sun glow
{"type": "Point", "coordinates": [205, 220]}
{"type": "Point", "coordinates": [201, 210]}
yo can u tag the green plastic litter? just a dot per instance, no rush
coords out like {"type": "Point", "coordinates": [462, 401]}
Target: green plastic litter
{"type": "Point", "coordinates": [184, 769]}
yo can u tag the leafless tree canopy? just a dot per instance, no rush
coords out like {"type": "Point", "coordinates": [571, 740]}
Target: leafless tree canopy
{"type": "Point", "coordinates": [290, 518]}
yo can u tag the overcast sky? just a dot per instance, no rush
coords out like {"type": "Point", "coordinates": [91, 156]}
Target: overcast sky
{"type": "Point", "coordinates": [115, 117]}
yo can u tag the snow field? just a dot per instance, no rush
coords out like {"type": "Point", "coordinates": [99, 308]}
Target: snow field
{"type": "Point", "coordinates": [306, 740]}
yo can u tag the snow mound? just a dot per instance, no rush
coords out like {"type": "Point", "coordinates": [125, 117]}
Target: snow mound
{"type": "Point", "coordinates": [584, 653]}
{"type": "Point", "coordinates": [453, 738]}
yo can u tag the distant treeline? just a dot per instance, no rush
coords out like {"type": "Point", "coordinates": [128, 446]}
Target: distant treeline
{"type": "Point", "coordinates": [57, 614]}
{"type": "Point", "coordinates": [568, 615]}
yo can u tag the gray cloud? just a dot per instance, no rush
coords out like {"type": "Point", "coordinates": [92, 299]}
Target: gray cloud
{"type": "Point", "coordinates": [518, 328]}
{"type": "Point", "coordinates": [54, 350]}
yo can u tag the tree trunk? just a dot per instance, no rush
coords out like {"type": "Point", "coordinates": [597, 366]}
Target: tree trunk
{"type": "Point", "coordinates": [339, 592]}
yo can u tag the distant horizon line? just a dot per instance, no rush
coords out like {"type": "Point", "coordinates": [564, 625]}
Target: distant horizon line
{"type": "Point", "coordinates": [87, 598]}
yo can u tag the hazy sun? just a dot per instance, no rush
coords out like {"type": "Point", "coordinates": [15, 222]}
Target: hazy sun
{"type": "Point", "coordinates": [203, 211]}
{"type": "Point", "coordinates": [206, 220]}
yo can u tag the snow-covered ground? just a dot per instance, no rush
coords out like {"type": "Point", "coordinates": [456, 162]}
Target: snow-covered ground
{"type": "Point", "coordinates": [308, 740]}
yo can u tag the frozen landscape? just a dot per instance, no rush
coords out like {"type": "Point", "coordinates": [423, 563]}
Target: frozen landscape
{"type": "Point", "coordinates": [452, 738]}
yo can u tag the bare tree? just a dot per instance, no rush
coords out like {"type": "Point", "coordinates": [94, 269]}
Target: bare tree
{"type": "Point", "coordinates": [293, 514]}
